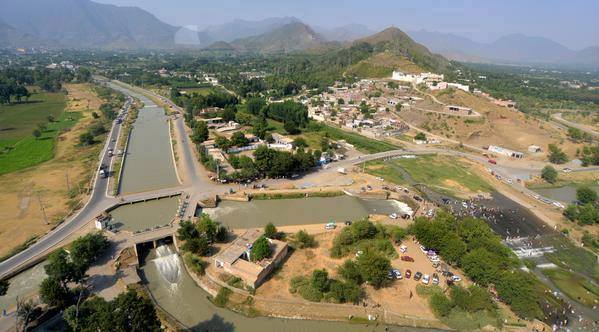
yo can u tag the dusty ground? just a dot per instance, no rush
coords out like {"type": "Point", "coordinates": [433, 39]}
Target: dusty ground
{"type": "Point", "coordinates": [393, 298]}
{"type": "Point", "coordinates": [21, 192]}
{"type": "Point", "coordinates": [498, 126]}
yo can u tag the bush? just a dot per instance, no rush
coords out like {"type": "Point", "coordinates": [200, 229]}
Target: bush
{"type": "Point", "coordinates": [350, 271]}
{"type": "Point", "coordinates": [374, 268]}
{"type": "Point", "coordinates": [260, 249]}
{"type": "Point", "coordinates": [303, 240]}
{"type": "Point", "coordinates": [222, 297]}
{"type": "Point", "coordinates": [198, 246]}
{"type": "Point", "coordinates": [270, 231]}
{"type": "Point", "coordinates": [440, 304]}
{"type": "Point", "coordinates": [195, 263]}
{"type": "Point", "coordinates": [320, 280]}
{"type": "Point", "coordinates": [586, 195]}
{"type": "Point", "coordinates": [549, 174]}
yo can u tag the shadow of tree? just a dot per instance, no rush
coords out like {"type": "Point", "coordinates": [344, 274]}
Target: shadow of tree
{"type": "Point", "coordinates": [215, 324]}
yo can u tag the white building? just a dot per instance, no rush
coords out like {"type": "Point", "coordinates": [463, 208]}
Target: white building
{"type": "Point", "coordinates": [505, 152]}
{"type": "Point", "coordinates": [459, 86]}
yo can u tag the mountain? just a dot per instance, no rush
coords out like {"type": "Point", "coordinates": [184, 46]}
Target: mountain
{"type": "Point", "coordinates": [348, 32]}
{"type": "Point", "coordinates": [513, 48]}
{"type": "Point", "coordinates": [291, 37]}
{"type": "Point", "coordinates": [87, 24]}
{"type": "Point", "coordinates": [11, 37]}
{"type": "Point", "coordinates": [238, 28]}
{"type": "Point", "coordinates": [398, 43]}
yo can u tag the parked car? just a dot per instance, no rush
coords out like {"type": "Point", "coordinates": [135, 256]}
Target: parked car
{"type": "Point", "coordinates": [426, 279]}
{"type": "Point", "coordinates": [435, 259]}
{"type": "Point", "coordinates": [397, 274]}
{"type": "Point", "coordinates": [417, 276]}
{"type": "Point", "coordinates": [435, 279]}
{"type": "Point", "coordinates": [403, 248]}
{"type": "Point", "coordinates": [408, 273]}
{"type": "Point", "coordinates": [418, 198]}
{"type": "Point", "coordinates": [456, 278]}
{"type": "Point", "coordinates": [407, 259]}
{"type": "Point", "coordinates": [567, 170]}
{"type": "Point", "coordinates": [447, 273]}
{"type": "Point", "coordinates": [492, 161]}
{"type": "Point", "coordinates": [390, 275]}
{"type": "Point", "coordinates": [423, 249]}
{"type": "Point", "coordinates": [359, 253]}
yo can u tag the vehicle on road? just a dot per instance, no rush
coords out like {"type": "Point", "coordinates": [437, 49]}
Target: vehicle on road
{"type": "Point", "coordinates": [567, 170]}
{"type": "Point", "coordinates": [407, 259]}
{"type": "Point", "coordinates": [417, 276]}
{"type": "Point", "coordinates": [393, 216]}
{"type": "Point", "coordinates": [456, 278]}
{"type": "Point", "coordinates": [403, 248]}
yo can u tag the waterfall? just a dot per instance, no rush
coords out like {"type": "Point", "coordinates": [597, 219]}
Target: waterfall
{"type": "Point", "coordinates": [168, 264]}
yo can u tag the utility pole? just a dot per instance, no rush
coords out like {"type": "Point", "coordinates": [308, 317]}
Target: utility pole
{"type": "Point", "coordinates": [39, 199]}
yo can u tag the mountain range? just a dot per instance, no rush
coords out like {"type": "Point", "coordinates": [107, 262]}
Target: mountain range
{"type": "Point", "coordinates": [512, 48]}
{"type": "Point", "coordinates": [87, 24]}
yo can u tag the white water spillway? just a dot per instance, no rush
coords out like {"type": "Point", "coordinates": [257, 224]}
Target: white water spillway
{"type": "Point", "coordinates": [168, 264]}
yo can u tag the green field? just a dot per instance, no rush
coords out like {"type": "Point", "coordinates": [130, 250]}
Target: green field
{"type": "Point", "coordinates": [19, 120]}
{"type": "Point", "coordinates": [575, 286]}
{"type": "Point", "coordinates": [444, 174]}
{"type": "Point", "coordinates": [18, 148]}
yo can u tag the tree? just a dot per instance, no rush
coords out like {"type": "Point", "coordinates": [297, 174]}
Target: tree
{"type": "Point", "coordinates": [4, 284]}
{"type": "Point", "coordinates": [481, 265]}
{"type": "Point", "coordinates": [187, 230]}
{"type": "Point", "coordinates": [86, 138]}
{"type": "Point", "coordinates": [556, 155]}
{"type": "Point", "coordinates": [61, 268]}
{"type": "Point", "coordinates": [300, 142]}
{"type": "Point", "coordinates": [94, 314]}
{"type": "Point", "coordinates": [291, 128]}
{"type": "Point", "coordinates": [260, 249]}
{"type": "Point", "coordinates": [588, 214]}
{"type": "Point", "coordinates": [549, 174]}
{"type": "Point", "coordinates": [374, 268]}
{"type": "Point", "coordinates": [222, 142]}
{"type": "Point", "coordinates": [207, 227]}
{"type": "Point", "coordinates": [27, 311]}
{"type": "Point", "coordinates": [255, 105]}
{"type": "Point", "coordinates": [134, 313]}
{"type": "Point", "coordinates": [302, 240]}
{"type": "Point", "coordinates": [440, 304]}
{"type": "Point", "coordinates": [239, 139]}
{"type": "Point", "coordinates": [420, 136]}
{"type": "Point", "coordinates": [228, 113]}
{"type": "Point", "coordinates": [270, 231]}
{"type": "Point", "coordinates": [37, 133]}
{"type": "Point", "coordinates": [50, 118]}
{"type": "Point", "coordinates": [320, 280]}
{"type": "Point", "coordinates": [54, 293]}
{"type": "Point", "coordinates": [260, 127]}
{"type": "Point", "coordinates": [586, 195]}
{"type": "Point", "coordinates": [197, 245]}
{"type": "Point", "coordinates": [350, 271]}
{"type": "Point", "coordinates": [200, 132]}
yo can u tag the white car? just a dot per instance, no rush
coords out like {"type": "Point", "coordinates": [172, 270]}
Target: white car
{"type": "Point", "coordinates": [559, 205]}
{"type": "Point", "coordinates": [403, 249]}
{"type": "Point", "coordinates": [424, 250]}
{"type": "Point", "coordinates": [435, 259]}
{"type": "Point", "coordinates": [456, 278]}
{"type": "Point", "coordinates": [426, 279]}
{"type": "Point", "coordinates": [567, 170]}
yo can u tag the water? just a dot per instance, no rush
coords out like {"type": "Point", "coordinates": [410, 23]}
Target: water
{"type": "Point", "coordinates": [145, 215]}
{"type": "Point", "coordinates": [23, 285]}
{"type": "Point", "coordinates": [149, 163]}
{"type": "Point", "coordinates": [168, 264]}
{"type": "Point", "coordinates": [565, 194]}
{"type": "Point", "coordinates": [189, 304]}
{"type": "Point", "coordinates": [301, 211]}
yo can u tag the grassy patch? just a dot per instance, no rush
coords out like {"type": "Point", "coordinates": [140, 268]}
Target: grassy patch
{"type": "Point", "coordinates": [571, 257]}
{"type": "Point", "coordinates": [387, 171]}
{"type": "Point", "coordinates": [575, 286]}
{"type": "Point", "coordinates": [362, 143]}
{"type": "Point", "coordinates": [29, 151]}
{"type": "Point", "coordinates": [222, 297]}
{"type": "Point", "coordinates": [444, 173]}
{"type": "Point", "coordinates": [19, 120]}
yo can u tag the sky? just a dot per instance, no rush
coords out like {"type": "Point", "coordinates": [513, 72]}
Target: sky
{"type": "Point", "coordinates": [572, 23]}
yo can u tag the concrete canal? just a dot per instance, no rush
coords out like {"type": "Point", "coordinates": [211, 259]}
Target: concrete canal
{"type": "Point", "coordinates": [301, 211]}
{"type": "Point", "coordinates": [145, 215]}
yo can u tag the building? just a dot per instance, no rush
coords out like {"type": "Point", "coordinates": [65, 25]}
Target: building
{"type": "Point", "coordinates": [213, 122]}
{"type": "Point", "coordinates": [281, 142]}
{"type": "Point", "coordinates": [459, 86]}
{"type": "Point", "coordinates": [505, 152]}
{"type": "Point", "coordinates": [235, 259]}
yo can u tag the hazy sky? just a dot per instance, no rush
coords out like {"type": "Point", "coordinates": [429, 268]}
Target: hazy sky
{"type": "Point", "coordinates": [574, 23]}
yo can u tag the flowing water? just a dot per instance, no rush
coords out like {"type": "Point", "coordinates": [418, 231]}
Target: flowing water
{"type": "Point", "coordinates": [168, 264]}
{"type": "Point", "coordinates": [301, 211]}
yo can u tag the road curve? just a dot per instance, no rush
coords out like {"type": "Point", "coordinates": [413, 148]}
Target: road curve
{"type": "Point", "coordinates": [558, 117]}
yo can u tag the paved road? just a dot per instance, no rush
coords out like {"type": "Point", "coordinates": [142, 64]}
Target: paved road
{"type": "Point", "coordinates": [97, 203]}
{"type": "Point", "coordinates": [558, 117]}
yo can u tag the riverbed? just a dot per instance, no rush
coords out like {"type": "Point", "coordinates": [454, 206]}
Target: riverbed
{"type": "Point", "coordinates": [298, 211]}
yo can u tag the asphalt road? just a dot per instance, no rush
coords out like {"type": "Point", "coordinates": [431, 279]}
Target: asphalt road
{"type": "Point", "coordinates": [97, 203]}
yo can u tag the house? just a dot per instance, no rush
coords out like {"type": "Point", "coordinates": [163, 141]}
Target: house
{"type": "Point", "coordinates": [210, 110]}
{"type": "Point", "coordinates": [235, 259]}
{"type": "Point", "coordinates": [505, 152]}
{"type": "Point", "coordinates": [459, 86]}
{"type": "Point", "coordinates": [213, 122]}
{"type": "Point", "coordinates": [229, 126]}
{"type": "Point", "coordinates": [281, 142]}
